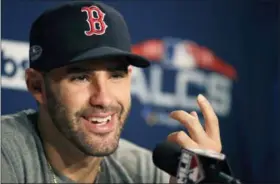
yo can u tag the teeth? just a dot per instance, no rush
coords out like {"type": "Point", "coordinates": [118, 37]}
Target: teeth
{"type": "Point", "coordinates": [101, 120]}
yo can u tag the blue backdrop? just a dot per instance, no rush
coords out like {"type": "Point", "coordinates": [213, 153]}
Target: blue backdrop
{"type": "Point", "coordinates": [226, 50]}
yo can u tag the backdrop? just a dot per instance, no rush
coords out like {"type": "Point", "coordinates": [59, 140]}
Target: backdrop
{"type": "Point", "coordinates": [226, 50]}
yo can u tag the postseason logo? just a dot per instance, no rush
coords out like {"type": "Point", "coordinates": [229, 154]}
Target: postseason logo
{"type": "Point", "coordinates": [181, 70]}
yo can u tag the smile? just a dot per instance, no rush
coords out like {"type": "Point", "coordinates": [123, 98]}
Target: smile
{"type": "Point", "coordinates": [101, 121]}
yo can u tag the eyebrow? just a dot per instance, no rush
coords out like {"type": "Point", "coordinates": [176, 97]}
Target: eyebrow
{"type": "Point", "coordinates": [77, 69]}
{"type": "Point", "coordinates": [83, 69]}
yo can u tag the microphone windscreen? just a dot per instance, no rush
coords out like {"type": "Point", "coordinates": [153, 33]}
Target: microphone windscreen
{"type": "Point", "coordinates": [166, 156]}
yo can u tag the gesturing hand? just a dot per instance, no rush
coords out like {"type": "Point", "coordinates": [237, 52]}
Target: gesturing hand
{"type": "Point", "coordinates": [200, 137]}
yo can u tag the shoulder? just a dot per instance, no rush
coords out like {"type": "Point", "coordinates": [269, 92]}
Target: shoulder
{"type": "Point", "coordinates": [18, 132]}
{"type": "Point", "coordinates": [17, 144]}
{"type": "Point", "coordinates": [16, 126]}
{"type": "Point", "coordinates": [130, 148]}
{"type": "Point", "coordinates": [138, 163]}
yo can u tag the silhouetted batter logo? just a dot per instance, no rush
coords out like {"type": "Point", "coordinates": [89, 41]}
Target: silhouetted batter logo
{"type": "Point", "coordinates": [189, 168]}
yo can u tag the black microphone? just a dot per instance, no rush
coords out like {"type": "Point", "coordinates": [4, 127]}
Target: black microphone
{"type": "Point", "coordinates": [193, 166]}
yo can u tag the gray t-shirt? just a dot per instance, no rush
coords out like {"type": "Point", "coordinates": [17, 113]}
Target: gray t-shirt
{"type": "Point", "coordinates": [24, 161]}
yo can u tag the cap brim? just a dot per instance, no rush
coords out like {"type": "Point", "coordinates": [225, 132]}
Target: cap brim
{"type": "Point", "coordinates": [101, 52]}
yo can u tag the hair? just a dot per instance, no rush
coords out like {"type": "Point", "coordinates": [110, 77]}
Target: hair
{"type": "Point", "coordinates": [46, 83]}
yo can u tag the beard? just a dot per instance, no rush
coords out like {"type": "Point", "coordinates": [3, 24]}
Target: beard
{"type": "Point", "coordinates": [69, 124]}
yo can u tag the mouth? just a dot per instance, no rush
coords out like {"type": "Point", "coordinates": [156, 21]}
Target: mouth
{"type": "Point", "coordinates": [101, 123]}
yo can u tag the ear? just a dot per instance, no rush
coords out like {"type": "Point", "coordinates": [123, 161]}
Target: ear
{"type": "Point", "coordinates": [35, 84]}
{"type": "Point", "coordinates": [130, 67]}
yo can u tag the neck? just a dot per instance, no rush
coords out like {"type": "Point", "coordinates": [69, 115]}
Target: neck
{"type": "Point", "coordinates": [64, 157]}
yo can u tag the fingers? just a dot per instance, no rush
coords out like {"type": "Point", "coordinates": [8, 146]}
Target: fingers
{"type": "Point", "coordinates": [211, 120]}
{"type": "Point", "coordinates": [208, 138]}
{"type": "Point", "coordinates": [194, 114]}
{"type": "Point", "coordinates": [182, 139]}
{"type": "Point", "coordinates": [191, 122]}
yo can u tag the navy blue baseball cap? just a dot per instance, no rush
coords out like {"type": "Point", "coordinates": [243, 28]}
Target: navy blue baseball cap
{"type": "Point", "coordinates": [79, 31]}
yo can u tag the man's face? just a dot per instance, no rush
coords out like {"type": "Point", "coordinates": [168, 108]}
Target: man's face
{"type": "Point", "coordinates": [89, 102]}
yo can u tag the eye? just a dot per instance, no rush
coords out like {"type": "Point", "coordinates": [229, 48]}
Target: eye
{"type": "Point", "coordinates": [80, 78]}
{"type": "Point", "coordinates": [118, 74]}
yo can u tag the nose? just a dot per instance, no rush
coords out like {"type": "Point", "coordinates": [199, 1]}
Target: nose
{"type": "Point", "coordinates": [101, 95]}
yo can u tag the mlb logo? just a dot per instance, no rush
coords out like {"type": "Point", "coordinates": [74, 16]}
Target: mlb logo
{"type": "Point", "coordinates": [189, 170]}
{"type": "Point", "coordinates": [178, 54]}
{"type": "Point", "coordinates": [196, 173]}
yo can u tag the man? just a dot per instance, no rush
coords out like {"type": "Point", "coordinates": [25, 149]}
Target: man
{"type": "Point", "coordinates": [80, 74]}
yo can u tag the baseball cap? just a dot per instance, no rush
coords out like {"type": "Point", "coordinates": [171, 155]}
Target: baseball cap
{"type": "Point", "coordinates": [79, 31]}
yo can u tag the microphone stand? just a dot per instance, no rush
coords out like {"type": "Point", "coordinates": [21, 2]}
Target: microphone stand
{"type": "Point", "coordinates": [216, 176]}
